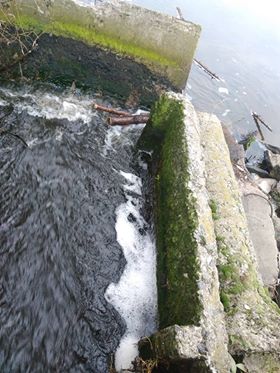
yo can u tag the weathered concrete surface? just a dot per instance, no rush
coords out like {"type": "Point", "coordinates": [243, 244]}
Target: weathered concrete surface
{"type": "Point", "coordinates": [164, 44]}
{"type": "Point", "coordinates": [258, 211]}
{"type": "Point", "coordinates": [252, 318]}
{"type": "Point", "coordinates": [180, 182]}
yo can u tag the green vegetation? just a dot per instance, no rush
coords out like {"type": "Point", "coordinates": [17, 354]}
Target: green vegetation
{"type": "Point", "coordinates": [230, 281]}
{"type": "Point", "coordinates": [92, 36]}
{"type": "Point", "coordinates": [232, 284]}
{"type": "Point", "coordinates": [176, 217]}
{"type": "Point", "coordinates": [214, 209]}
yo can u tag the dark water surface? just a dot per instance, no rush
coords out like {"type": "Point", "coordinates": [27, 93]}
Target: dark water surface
{"type": "Point", "coordinates": [59, 249]}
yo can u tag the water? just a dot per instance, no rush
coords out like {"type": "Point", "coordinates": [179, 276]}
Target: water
{"type": "Point", "coordinates": [77, 258]}
{"type": "Point", "coordinates": [240, 42]}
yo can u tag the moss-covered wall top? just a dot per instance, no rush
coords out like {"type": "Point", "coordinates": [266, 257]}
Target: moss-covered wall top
{"type": "Point", "coordinates": [176, 218]}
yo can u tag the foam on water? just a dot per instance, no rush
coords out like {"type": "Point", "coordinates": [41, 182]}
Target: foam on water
{"type": "Point", "coordinates": [223, 90]}
{"type": "Point", "coordinates": [118, 134]}
{"type": "Point", "coordinates": [2, 102]}
{"type": "Point", "coordinates": [135, 296]}
{"type": "Point", "coordinates": [50, 106]}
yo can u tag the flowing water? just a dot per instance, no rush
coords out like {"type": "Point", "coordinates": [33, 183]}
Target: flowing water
{"type": "Point", "coordinates": [77, 257]}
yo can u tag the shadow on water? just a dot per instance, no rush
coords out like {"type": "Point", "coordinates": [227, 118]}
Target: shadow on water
{"type": "Point", "coordinates": [58, 247]}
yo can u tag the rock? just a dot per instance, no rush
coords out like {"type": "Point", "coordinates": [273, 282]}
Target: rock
{"type": "Point", "coordinates": [236, 151]}
{"type": "Point", "coordinates": [273, 163]}
{"type": "Point", "coordinates": [257, 170]}
{"type": "Point", "coordinates": [266, 185]}
{"type": "Point", "coordinates": [261, 363]}
{"type": "Point", "coordinates": [272, 148]}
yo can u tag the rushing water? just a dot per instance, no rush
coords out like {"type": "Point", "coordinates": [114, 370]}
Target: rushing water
{"type": "Point", "coordinates": [77, 258]}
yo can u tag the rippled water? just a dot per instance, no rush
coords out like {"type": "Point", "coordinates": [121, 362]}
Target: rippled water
{"type": "Point", "coordinates": [240, 42]}
{"type": "Point", "coordinates": [71, 230]}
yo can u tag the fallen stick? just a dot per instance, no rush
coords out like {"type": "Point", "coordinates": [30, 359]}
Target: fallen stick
{"type": "Point", "coordinates": [110, 110]}
{"type": "Point", "coordinates": [204, 68]}
{"type": "Point", "coordinates": [258, 127]}
{"type": "Point", "coordinates": [126, 121]}
{"type": "Point", "coordinates": [180, 14]}
{"type": "Point", "coordinates": [258, 118]}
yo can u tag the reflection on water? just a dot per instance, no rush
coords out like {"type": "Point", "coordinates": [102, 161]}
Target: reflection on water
{"type": "Point", "coordinates": [244, 50]}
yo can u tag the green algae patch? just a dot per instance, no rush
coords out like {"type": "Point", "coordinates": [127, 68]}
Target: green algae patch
{"type": "Point", "coordinates": [232, 284]}
{"type": "Point", "coordinates": [175, 215]}
{"type": "Point", "coordinates": [162, 43]}
{"type": "Point", "coordinates": [92, 36]}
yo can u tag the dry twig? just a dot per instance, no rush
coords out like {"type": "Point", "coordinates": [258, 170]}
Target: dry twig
{"type": "Point", "coordinates": [110, 110]}
{"type": "Point", "coordinates": [126, 121]}
{"type": "Point", "coordinates": [259, 119]}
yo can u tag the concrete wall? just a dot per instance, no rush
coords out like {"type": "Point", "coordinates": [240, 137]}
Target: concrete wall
{"type": "Point", "coordinates": [164, 44]}
{"type": "Point", "coordinates": [200, 219]}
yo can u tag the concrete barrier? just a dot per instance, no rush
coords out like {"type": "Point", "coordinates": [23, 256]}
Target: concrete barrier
{"type": "Point", "coordinates": [205, 254]}
{"type": "Point", "coordinates": [164, 45]}
{"type": "Point", "coordinates": [193, 334]}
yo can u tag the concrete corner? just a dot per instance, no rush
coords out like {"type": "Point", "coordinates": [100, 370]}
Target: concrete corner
{"type": "Point", "coordinates": [164, 44]}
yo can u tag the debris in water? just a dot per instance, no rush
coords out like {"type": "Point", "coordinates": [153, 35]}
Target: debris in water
{"type": "Point", "coordinates": [223, 90]}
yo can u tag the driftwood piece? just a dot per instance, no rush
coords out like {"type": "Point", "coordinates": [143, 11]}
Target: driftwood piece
{"type": "Point", "coordinates": [204, 68]}
{"type": "Point", "coordinates": [110, 110]}
{"type": "Point", "coordinates": [258, 126]}
{"type": "Point", "coordinates": [180, 13]}
{"type": "Point", "coordinates": [259, 119]}
{"type": "Point", "coordinates": [131, 119]}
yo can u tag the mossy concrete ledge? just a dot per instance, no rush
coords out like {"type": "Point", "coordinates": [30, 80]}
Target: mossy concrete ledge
{"type": "Point", "coordinates": [193, 334]}
{"type": "Point", "coordinates": [252, 318]}
{"type": "Point", "coordinates": [165, 44]}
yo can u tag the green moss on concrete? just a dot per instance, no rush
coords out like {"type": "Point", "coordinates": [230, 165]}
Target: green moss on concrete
{"type": "Point", "coordinates": [232, 284]}
{"type": "Point", "coordinates": [214, 209]}
{"type": "Point", "coordinates": [176, 217]}
{"type": "Point", "coordinates": [92, 36]}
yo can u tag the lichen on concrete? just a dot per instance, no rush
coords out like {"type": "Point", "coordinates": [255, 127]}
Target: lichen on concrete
{"type": "Point", "coordinates": [252, 318]}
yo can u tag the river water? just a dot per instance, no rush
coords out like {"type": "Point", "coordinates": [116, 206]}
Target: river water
{"type": "Point", "coordinates": [240, 42]}
{"type": "Point", "coordinates": [77, 258]}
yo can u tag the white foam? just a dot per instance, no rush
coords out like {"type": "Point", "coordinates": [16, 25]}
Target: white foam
{"type": "Point", "coordinates": [135, 296]}
{"type": "Point", "coordinates": [50, 106]}
{"type": "Point", "coordinates": [135, 183]}
{"type": "Point", "coordinates": [3, 103]}
{"type": "Point", "coordinates": [223, 90]}
{"type": "Point", "coordinates": [119, 134]}
{"type": "Point", "coordinates": [225, 113]}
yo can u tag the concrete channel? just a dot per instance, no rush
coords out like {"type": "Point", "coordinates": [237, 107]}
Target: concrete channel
{"type": "Point", "coordinates": [214, 310]}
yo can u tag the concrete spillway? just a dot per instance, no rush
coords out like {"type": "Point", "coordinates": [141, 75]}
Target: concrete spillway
{"type": "Point", "coordinates": [212, 301]}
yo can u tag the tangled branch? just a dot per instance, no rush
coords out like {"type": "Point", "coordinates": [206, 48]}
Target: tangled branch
{"type": "Point", "coordinates": [15, 42]}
